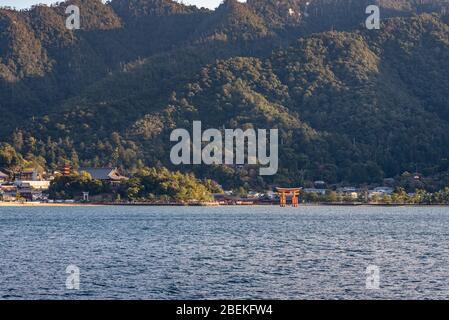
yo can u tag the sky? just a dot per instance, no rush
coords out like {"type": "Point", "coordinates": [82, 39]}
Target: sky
{"type": "Point", "coordinates": [22, 4]}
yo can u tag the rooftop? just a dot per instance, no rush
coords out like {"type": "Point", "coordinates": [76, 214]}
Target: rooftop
{"type": "Point", "coordinates": [107, 173]}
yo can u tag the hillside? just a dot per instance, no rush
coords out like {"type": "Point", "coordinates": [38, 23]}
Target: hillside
{"type": "Point", "coordinates": [351, 104]}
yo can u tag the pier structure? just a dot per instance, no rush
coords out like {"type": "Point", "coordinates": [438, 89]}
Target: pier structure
{"type": "Point", "coordinates": [284, 192]}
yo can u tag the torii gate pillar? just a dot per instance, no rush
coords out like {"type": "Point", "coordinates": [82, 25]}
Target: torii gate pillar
{"type": "Point", "coordinates": [293, 192]}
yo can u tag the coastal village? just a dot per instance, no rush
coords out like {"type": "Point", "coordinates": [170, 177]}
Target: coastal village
{"type": "Point", "coordinates": [31, 185]}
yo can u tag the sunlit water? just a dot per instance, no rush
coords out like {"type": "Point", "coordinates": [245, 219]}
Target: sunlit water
{"type": "Point", "coordinates": [222, 253]}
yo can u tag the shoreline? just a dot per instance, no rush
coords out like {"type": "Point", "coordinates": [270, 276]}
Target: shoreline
{"type": "Point", "coordinates": [43, 204]}
{"type": "Point", "coordinates": [78, 204]}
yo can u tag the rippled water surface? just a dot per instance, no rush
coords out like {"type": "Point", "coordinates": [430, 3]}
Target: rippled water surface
{"type": "Point", "coordinates": [226, 252]}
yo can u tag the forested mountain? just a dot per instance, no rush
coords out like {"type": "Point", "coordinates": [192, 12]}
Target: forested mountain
{"type": "Point", "coordinates": [351, 104]}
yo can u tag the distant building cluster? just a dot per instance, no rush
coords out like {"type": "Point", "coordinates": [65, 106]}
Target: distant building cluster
{"type": "Point", "coordinates": [319, 191]}
{"type": "Point", "coordinates": [32, 184]}
{"type": "Point", "coordinates": [27, 185]}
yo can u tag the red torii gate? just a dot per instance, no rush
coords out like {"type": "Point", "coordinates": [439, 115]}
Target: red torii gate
{"type": "Point", "coordinates": [283, 192]}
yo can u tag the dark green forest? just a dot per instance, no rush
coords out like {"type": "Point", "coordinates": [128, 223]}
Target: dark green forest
{"type": "Point", "coordinates": [352, 105]}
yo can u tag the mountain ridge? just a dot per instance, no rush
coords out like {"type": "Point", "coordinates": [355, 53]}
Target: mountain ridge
{"type": "Point", "coordinates": [347, 104]}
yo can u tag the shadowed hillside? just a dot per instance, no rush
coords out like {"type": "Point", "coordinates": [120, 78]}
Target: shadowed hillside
{"type": "Point", "coordinates": [351, 104]}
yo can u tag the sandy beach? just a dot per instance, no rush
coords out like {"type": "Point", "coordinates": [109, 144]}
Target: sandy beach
{"type": "Point", "coordinates": [43, 204]}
